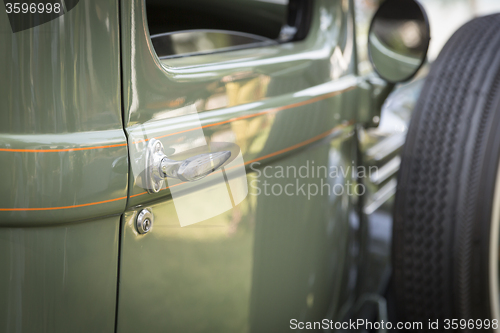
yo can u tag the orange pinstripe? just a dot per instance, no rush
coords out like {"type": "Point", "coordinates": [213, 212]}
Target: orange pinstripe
{"type": "Point", "coordinates": [273, 110]}
{"type": "Point", "coordinates": [60, 150]}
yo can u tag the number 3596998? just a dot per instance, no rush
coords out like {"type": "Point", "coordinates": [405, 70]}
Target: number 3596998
{"type": "Point", "coordinates": [32, 8]}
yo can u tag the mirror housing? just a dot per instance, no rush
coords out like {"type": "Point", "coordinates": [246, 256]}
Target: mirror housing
{"type": "Point", "coordinates": [398, 40]}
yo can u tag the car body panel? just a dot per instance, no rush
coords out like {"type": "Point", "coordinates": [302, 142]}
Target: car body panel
{"type": "Point", "coordinates": [60, 278]}
{"type": "Point", "coordinates": [62, 143]}
{"type": "Point", "coordinates": [64, 165]}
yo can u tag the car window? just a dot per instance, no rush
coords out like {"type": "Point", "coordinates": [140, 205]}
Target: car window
{"type": "Point", "coordinates": [193, 27]}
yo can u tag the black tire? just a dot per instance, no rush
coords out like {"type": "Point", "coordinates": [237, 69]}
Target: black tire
{"type": "Point", "coordinates": [447, 180]}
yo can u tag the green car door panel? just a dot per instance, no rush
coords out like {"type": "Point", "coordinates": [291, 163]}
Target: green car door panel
{"type": "Point", "coordinates": [270, 258]}
{"type": "Point", "coordinates": [59, 278]}
{"type": "Point", "coordinates": [63, 153]}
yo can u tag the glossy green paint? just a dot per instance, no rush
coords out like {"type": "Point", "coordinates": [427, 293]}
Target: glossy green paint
{"type": "Point", "coordinates": [60, 90]}
{"type": "Point", "coordinates": [269, 258]}
{"type": "Point", "coordinates": [252, 269]}
{"type": "Point", "coordinates": [60, 278]}
{"type": "Point", "coordinates": [59, 100]}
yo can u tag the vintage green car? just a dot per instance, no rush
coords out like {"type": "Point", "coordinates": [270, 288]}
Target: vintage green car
{"type": "Point", "coordinates": [231, 166]}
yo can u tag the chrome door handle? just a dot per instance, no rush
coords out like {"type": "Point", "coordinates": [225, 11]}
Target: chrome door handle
{"type": "Point", "coordinates": [159, 166]}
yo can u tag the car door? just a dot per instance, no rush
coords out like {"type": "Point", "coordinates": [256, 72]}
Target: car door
{"type": "Point", "coordinates": [271, 237]}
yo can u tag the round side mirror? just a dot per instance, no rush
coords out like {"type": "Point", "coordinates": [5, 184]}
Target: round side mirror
{"type": "Point", "coordinates": [398, 39]}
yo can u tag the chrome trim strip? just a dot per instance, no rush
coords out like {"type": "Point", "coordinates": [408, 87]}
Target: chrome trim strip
{"type": "Point", "coordinates": [381, 196]}
{"type": "Point", "coordinates": [386, 147]}
{"type": "Point", "coordinates": [386, 171]}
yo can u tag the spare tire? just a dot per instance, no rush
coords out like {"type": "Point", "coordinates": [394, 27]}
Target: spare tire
{"type": "Point", "coordinates": [447, 207]}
